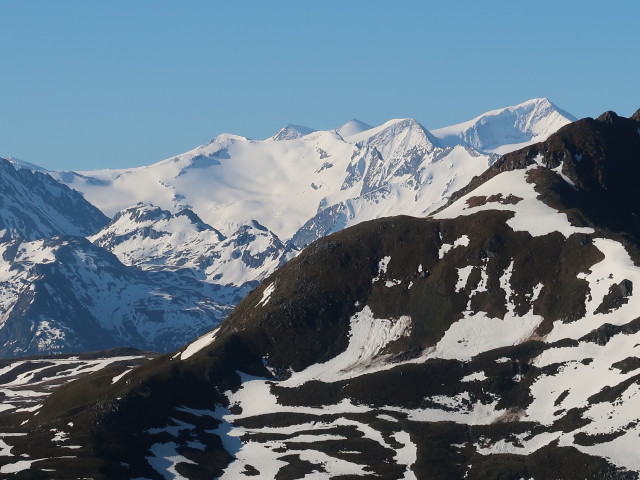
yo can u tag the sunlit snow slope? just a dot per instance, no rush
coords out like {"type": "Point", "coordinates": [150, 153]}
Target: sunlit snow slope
{"type": "Point", "coordinates": [303, 184]}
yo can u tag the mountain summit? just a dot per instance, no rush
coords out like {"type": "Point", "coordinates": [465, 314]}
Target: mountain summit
{"type": "Point", "coordinates": [291, 132]}
{"type": "Point", "coordinates": [508, 129]}
{"type": "Point", "coordinates": [34, 206]}
{"type": "Point", "coordinates": [352, 127]}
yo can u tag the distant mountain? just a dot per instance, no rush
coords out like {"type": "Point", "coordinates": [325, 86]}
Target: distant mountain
{"type": "Point", "coordinates": [34, 206]}
{"type": "Point", "coordinates": [21, 164]}
{"type": "Point", "coordinates": [157, 240]}
{"type": "Point", "coordinates": [65, 294]}
{"type": "Point", "coordinates": [60, 293]}
{"type": "Point", "coordinates": [497, 338]}
{"type": "Point", "coordinates": [291, 132]}
{"type": "Point", "coordinates": [507, 129]}
{"type": "Point", "coordinates": [311, 183]}
{"type": "Point", "coordinates": [352, 127]}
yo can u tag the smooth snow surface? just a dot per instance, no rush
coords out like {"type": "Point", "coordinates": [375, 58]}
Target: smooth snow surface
{"type": "Point", "coordinates": [477, 333]}
{"type": "Point", "coordinates": [616, 267]}
{"type": "Point", "coordinates": [118, 377]}
{"type": "Point", "coordinates": [165, 458]}
{"type": "Point", "coordinates": [474, 377]}
{"type": "Point", "coordinates": [407, 455]}
{"type": "Point", "coordinates": [352, 127]}
{"type": "Point", "coordinates": [266, 295]}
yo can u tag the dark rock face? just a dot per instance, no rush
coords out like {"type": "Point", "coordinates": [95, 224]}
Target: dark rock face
{"type": "Point", "coordinates": [472, 345]}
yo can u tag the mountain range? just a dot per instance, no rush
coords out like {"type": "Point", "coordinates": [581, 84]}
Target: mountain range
{"type": "Point", "coordinates": [152, 257]}
{"type": "Point", "coordinates": [495, 338]}
{"type": "Point", "coordinates": [303, 183]}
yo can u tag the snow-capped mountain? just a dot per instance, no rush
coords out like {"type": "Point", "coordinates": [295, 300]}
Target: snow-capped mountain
{"type": "Point", "coordinates": [22, 165]}
{"type": "Point", "coordinates": [352, 127]}
{"type": "Point", "coordinates": [34, 206]}
{"type": "Point", "coordinates": [507, 129]}
{"type": "Point", "coordinates": [65, 294]}
{"type": "Point", "coordinates": [154, 239]}
{"type": "Point", "coordinates": [498, 338]}
{"type": "Point", "coordinates": [291, 132]}
{"type": "Point", "coordinates": [60, 293]}
{"type": "Point", "coordinates": [303, 184]}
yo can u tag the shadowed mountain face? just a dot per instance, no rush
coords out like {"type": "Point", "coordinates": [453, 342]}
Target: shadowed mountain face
{"type": "Point", "coordinates": [67, 295]}
{"type": "Point", "coordinates": [35, 206]}
{"type": "Point", "coordinates": [496, 339]}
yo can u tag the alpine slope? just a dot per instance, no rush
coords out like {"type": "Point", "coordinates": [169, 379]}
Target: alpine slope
{"type": "Point", "coordinates": [180, 242]}
{"type": "Point", "coordinates": [496, 338]}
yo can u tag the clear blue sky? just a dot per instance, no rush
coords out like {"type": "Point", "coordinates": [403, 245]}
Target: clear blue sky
{"type": "Point", "coordinates": [87, 84]}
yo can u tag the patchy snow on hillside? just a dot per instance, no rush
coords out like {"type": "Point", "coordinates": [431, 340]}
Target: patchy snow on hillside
{"type": "Point", "coordinates": [530, 214]}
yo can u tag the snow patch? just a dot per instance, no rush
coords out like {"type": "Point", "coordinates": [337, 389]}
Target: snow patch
{"type": "Point", "coordinates": [463, 241]}
{"type": "Point", "coordinates": [266, 295]}
{"type": "Point", "coordinates": [165, 458]}
{"type": "Point", "coordinates": [118, 377]}
{"type": "Point", "coordinates": [463, 277]}
{"type": "Point", "coordinates": [368, 336]}
{"type": "Point", "coordinates": [474, 377]}
{"type": "Point", "coordinates": [382, 268]}
{"type": "Point", "coordinates": [407, 455]}
{"type": "Point", "coordinates": [202, 342]}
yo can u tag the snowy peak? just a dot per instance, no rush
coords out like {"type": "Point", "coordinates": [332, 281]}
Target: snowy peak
{"type": "Point", "coordinates": [352, 127]}
{"type": "Point", "coordinates": [397, 137]}
{"type": "Point", "coordinates": [154, 239]}
{"type": "Point", "coordinates": [65, 294]}
{"type": "Point", "coordinates": [148, 218]}
{"type": "Point", "coordinates": [228, 138]}
{"type": "Point", "coordinates": [248, 255]}
{"type": "Point", "coordinates": [291, 132]}
{"type": "Point", "coordinates": [507, 129]}
{"type": "Point", "coordinates": [354, 173]}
